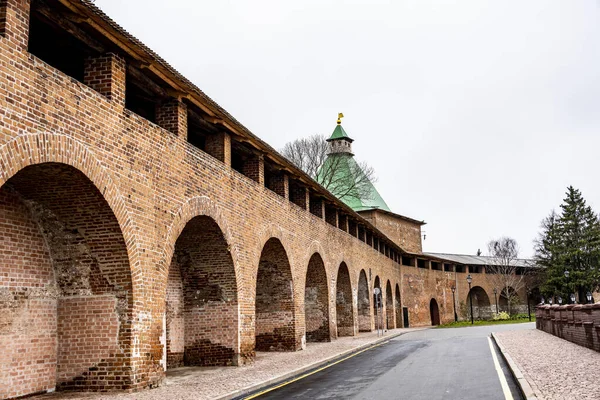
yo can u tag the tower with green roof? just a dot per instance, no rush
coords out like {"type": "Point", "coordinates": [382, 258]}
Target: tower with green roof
{"type": "Point", "coordinates": [342, 175]}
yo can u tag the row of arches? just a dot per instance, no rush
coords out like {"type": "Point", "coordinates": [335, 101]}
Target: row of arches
{"type": "Point", "coordinates": [66, 284]}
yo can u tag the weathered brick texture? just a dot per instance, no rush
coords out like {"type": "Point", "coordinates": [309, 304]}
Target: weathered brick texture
{"type": "Point", "coordinates": [316, 301]}
{"type": "Point", "coordinates": [390, 322]}
{"type": "Point", "coordinates": [398, 307]}
{"type": "Point", "coordinates": [275, 312]}
{"type": "Point", "coordinates": [343, 303]}
{"type": "Point", "coordinates": [125, 250]}
{"type": "Point", "coordinates": [577, 323]}
{"type": "Point", "coordinates": [106, 75]}
{"type": "Point", "coordinates": [364, 304]}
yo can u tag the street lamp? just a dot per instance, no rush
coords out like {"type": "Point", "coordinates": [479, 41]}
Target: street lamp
{"type": "Point", "coordinates": [454, 303]}
{"type": "Point", "coordinates": [528, 306]}
{"type": "Point", "coordinates": [559, 299]}
{"type": "Point", "coordinates": [469, 280]}
{"type": "Point", "coordinates": [496, 298]}
{"type": "Point", "coordinates": [542, 300]}
{"type": "Point", "coordinates": [589, 297]}
{"type": "Point", "coordinates": [550, 301]}
{"type": "Point", "coordinates": [573, 298]}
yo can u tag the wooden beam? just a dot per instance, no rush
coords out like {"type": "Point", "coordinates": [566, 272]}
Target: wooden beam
{"type": "Point", "coordinates": [64, 23]}
{"type": "Point", "coordinates": [198, 120]}
{"type": "Point", "coordinates": [148, 84]}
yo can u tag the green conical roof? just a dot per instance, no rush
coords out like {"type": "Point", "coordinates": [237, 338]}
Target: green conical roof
{"type": "Point", "coordinates": [339, 133]}
{"type": "Point", "coordinates": [337, 174]}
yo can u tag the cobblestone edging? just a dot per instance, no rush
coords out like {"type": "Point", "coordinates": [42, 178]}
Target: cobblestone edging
{"type": "Point", "coordinates": [526, 389]}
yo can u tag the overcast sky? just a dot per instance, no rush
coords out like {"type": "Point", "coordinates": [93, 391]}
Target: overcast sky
{"type": "Point", "coordinates": [476, 116]}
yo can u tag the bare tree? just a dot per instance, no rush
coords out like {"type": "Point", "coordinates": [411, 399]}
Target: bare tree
{"type": "Point", "coordinates": [337, 172]}
{"type": "Point", "coordinates": [504, 270]}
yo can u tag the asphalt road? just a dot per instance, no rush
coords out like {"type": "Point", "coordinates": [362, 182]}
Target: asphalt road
{"type": "Point", "coordinates": [454, 363]}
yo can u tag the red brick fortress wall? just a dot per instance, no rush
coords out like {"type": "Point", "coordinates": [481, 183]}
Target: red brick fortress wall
{"type": "Point", "coordinates": [576, 323]}
{"type": "Point", "coordinates": [126, 250]}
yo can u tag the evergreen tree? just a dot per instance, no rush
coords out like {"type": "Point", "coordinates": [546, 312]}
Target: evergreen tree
{"type": "Point", "coordinates": [570, 242]}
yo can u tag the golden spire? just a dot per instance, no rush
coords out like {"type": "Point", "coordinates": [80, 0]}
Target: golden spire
{"type": "Point", "coordinates": [340, 116]}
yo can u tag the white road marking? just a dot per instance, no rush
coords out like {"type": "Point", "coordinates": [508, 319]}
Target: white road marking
{"type": "Point", "coordinates": [503, 382]}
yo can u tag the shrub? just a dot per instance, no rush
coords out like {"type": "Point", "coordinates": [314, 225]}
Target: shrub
{"type": "Point", "coordinates": [502, 315]}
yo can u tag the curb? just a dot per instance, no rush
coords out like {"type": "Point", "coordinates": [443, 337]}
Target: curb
{"type": "Point", "coordinates": [240, 393]}
{"type": "Point", "coordinates": [525, 387]}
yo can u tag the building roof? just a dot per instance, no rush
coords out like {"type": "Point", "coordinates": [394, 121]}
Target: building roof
{"type": "Point", "coordinates": [477, 260]}
{"type": "Point", "coordinates": [339, 133]}
{"type": "Point", "coordinates": [393, 214]}
{"type": "Point", "coordinates": [338, 172]}
{"type": "Point", "coordinates": [152, 62]}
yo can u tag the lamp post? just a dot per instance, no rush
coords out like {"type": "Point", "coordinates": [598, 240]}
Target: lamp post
{"type": "Point", "coordinates": [589, 297]}
{"type": "Point", "coordinates": [528, 306]}
{"type": "Point", "coordinates": [496, 299]}
{"type": "Point", "coordinates": [567, 273]}
{"type": "Point", "coordinates": [454, 303]}
{"type": "Point", "coordinates": [559, 299]}
{"type": "Point", "coordinates": [469, 280]}
{"type": "Point", "coordinates": [573, 299]}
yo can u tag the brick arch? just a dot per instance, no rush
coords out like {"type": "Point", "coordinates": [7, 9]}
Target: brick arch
{"type": "Point", "coordinates": [378, 312]}
{"type": "Point", "coordinates": [42, 148]}
{"type": "Point", "coordinates": [481, 303]}
{"type": "Point", "coordinates": [398, 307]}
{"type": "Point", "coordinates": [344, 302]}
{"type": "Point", "coordinates": [195, 207]}
{"type": "Point", "coordinates": [389, 306]}
{"type": "Point", "coordinates": [315, 247]}
{"type": "Point", "coordinates": [275, 309]}
{"type": "Point", "coordinates": [434, 311]}
{"type": "Point", "coordinates": [363, 294]}
{"type": "Point", "coordinates": [268, 232]}
{"type": "Point", "coordinates": [316, 301]}
{"type": "Point", "coordinates": [79, 263]}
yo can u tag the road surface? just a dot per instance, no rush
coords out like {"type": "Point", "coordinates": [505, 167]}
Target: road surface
{"type": "Point", "coordinates": [453, 363]}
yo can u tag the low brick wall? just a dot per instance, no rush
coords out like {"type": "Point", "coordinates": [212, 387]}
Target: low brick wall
{"type": "Point", "coordinates": [576, 323]}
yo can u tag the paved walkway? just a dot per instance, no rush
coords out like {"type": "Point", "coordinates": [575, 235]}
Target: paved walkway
{"type": "Point", "coordinates": [555, 368]}
{"type": "Point", "coordinates": [210, 383]}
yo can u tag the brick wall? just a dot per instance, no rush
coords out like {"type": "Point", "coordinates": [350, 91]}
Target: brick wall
{"type": "Point", "coordinates": [398, 307]}
{"type": "Point", "coordinates": [344, 303]}
{"type": "Point", "coordinates": [95, 206]}
{"type": "Point", "coordinates": [201, 298]}
{"type": "Point", "coordinates": [388, 299]}
{"type": "Point", "coordinates": [88, 335]}
{"type": "Point", "coordinates": [316, 302]}
{"type": "Point", "coordinates": [364, 304]}
{"type": "Point", "coordinates": [275, 313]}
{"type": "Point", "coordinates": [576, 323]}
{"type": "Point", "coordinates": [405, 233]}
